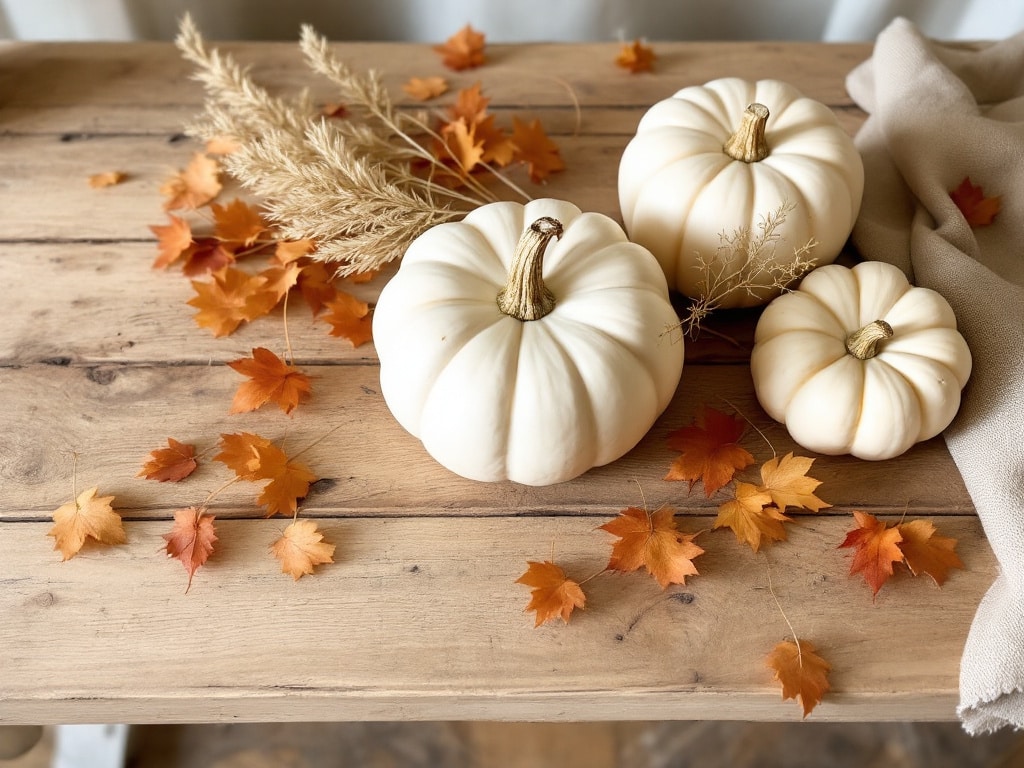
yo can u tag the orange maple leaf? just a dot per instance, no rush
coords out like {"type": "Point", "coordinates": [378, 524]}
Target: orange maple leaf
{"type": "Point", "coordinates": [978, 210]}
{"type": "Point", "coordinates": [173, 239]}
{"type": "Point", "coordinates": [171, 464]}
{"type": "Point", "coordinates": [195, 186]}
{"type": "Point", "coordinates": [786, 481]}
{"type": "Point", "coordinates": [425, 88]}
{"type": "Point", "coordinates": [279, 280]}
{"type": "Point", "coordinates": [350, 318]}
{"type": "Point", "coordinates": [751, 516]}
{"type": "Point", "coordinates": [463, 50]}
{"type": "Point", "coordinates": [362, 277]}
{"type": "Point", "coordinates": [459, 147]}
{"type": "Point", "coordinates": [927, 552]}
{"type": "Point", "coordinates": [316, 284]}
{"type": "Point", "coordinates": [238, 222]}
{"type": "Point", "coordinates": [636, 57]}
{"type": "Point", "coordinates": [106, 179]}
{"type": "Point", "coordinates": [270, 379]}
{"type": "Point", "coordinates": [205, 255]}
{"type": "Point", "coordinates": [255, 458]}
{"type": "Point", "coordinates": [191, 539]}
{"type": "Point", "coordinates": [87, 517]}
{"type": "Point", "coordinates": [222, 145]}
{"type": "Point", "coordinates": [876, 549]}
{"type": "Point", "coordinates": [336, 110]}
{"type": "Point", "coordinates": [710, 451]}
{"type": "Point", "coordinates": [552, 592]}
{"type": "Point", "coordinates": [470, 104]}
{"type": "Point", "coordinates": [227, 301]}
{"type": "Point", "coordinates": [288, 251]}
{"type": "Point", "coordinates": [301, 548]}
{"type": "Point", "coordinates": [534, 148]}
{"type": "Point", "coordinates": [653, 541]}
{"type": "Point", "coordinates": [802, 672]}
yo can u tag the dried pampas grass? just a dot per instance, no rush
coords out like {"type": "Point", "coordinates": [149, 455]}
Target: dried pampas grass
{"type": "Point", "coordinates": [350, 184]}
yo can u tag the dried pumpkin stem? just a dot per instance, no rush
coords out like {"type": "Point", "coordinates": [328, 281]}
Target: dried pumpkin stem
{"type": "Point", "coordinates": [748, 143]}
{"type": "Point", "coordinates": [525, 297]}
{"type": "Point", "coordinates": [862, 344]}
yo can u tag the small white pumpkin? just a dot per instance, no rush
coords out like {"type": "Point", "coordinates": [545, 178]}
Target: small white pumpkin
{"type": "Point", "coordinates": [515, 355]}
{"type": "Point", "coordinates": [718, 158]}
{"type": "Point", "coordinates": [859, 361]}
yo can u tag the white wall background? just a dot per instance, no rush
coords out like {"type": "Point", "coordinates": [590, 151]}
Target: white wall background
{"type": "Point", "coordinates": [508, 20]}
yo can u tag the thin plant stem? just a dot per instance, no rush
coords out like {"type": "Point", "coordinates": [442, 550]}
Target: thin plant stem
{"type": "Point", "coordinates": [771, 591]}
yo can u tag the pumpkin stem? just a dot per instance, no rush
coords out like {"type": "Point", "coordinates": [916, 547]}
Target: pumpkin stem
{"type": "Point", "coordinates": [861, 344]}
{"type": "Point", "coordinates": [748, 143]}
{"type": "Point", "coordinates": [525, 297]}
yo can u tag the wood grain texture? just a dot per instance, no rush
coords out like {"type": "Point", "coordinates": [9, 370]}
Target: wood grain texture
{"type": "Point", "coordinates": [420, 617]}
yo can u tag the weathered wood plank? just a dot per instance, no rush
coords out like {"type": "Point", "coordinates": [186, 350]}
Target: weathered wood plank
{"type": "Point", "coordinates": [114, 415]}
{"type": "Point", "coordinates": [375, 636]}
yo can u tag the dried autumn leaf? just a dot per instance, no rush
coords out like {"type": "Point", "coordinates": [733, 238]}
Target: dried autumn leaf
{"type": "Point", "coordinates": [350, 318]}
{"type": "Point", "coordinates": [552, 592]}
{"type": "Point", "coordinates": [463, 50]}
{"type": "Point", "coordinates": [710, 451]}
{"type": "Point", "coordinates": [636, 57]}
{"type": "Point", "coordinates": [362, 277]}
{"type": "Point", "coordinates": [316, 284]}
{"type": "Point", "coordinates": [195, 186]}
{"type": "Point", "coordinates": [271, 379]}
{"type": "Point", "coordinates": [173, 240]}
{"type": "Point", "coordinates": [87, 517]}
{"type": "Point", "coordinates": [301, 548]}
{"type": "Point", "coordinates": [241, 453]}
{"type": "Point", "coordinates": [459, 147]}
{"type": "Point", "coordinates": [238, 222]}
{"type": "Point", "coordinates": [652, 541]}
{"type": "Point", "coordinates": [787, 482]}
{"type": "Point", "coordinates": [877, 547]}
{"type": "Point", "coordinates": [107, 179]}
{"type": "Point", "coordinates": [279, 280]}
{"type": "Point", "coordinates": [171, 464]}
{"type": "Point", "coordinates": [206, 255]}
{"type": "Point", "coordinates": [425, 88]}
{"type": "Point", "coordinates": [227, 301]}
{"type": "Point", "coordinates": [339, 111]}
{"type": "Point", "coordinates": [255, 458]}
{"type": "Point", "coordinates": [470, 105]}
{"type": "Point", "coordinates": [191, 539]}
{"type": "Point", "coordinates": [222, 145]}
{"type": "Point", "coordinates": [534, 148]}
{"type": "Point", "coordinates": [802, 672]}
{"type": "Point", "coordinates": [978, 210]}
{"type": "Point", "coordinates": [927, 552]}
{"type": "Point", "coordinates": [751, 516]}
{"type": "Point", "coordinates": [288, 251]}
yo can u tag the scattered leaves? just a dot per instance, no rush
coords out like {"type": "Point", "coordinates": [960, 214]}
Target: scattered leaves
{"type": "Point", "coordinates": [752, 516]}
{"type": "Point", "coordinates": [533, 147]}
{"type": "Point", "coordinates": [87, 517]}
{"type": "Point", "coordinates": [425, 88]}
{"type": "Point", "coordinates": [636, 57]}
{"type": "Point", "coordinates": [255, 458]}
{"type": "Point", "coordinates": [107, 179]}
{"type": "Point", "coordinates": [349, 318]}
{"type": "Point", "coordinates": [876, 548]}
{"type": "Point", "coordinates": [171, 464]}
{"type": "Point", "coordinates": [301, 548]}
{"type": "Point", "coordinates": [926, 552]}
{"type": "Point", "coordinates": [652, 541]}
{"type": "Point", "coordinates": [802, 672]}
{"type": "Point", "coordinates": [552, 592]}
{"type": "Point", "coordinates": [193, 187]}
{"type": "Point", "coordinates": [463, 50]}
{"type": "Point", "coordinates": [271, 379]}
{"type": "Point", "coordinates": [191, 539]}
{"type": "Point", "coordinates": [916, 544]}
{"type": "Point", "coordinates": [173, 239]}
{"type": "Point", "coordinates": [710, 451]}
{"type": "Point", "coordinates": [978, 210]}
{"type": "Point", "coordinates": [229, 300]}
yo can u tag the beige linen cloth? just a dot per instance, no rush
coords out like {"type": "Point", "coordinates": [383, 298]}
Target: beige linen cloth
{"type": "Point", "coordinates": [938, 113]}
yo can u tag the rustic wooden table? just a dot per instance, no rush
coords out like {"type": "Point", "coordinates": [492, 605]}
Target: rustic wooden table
{"type": "Point", "coordinates": [420, 617]}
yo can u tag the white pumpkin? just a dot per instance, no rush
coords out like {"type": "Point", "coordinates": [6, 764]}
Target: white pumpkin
{"type": "Point", "coordinates": [515, 355]}
{"type": "Point", "coordinates": [718, 158]}
{"type": "Point", "coordinates": [859, 361]}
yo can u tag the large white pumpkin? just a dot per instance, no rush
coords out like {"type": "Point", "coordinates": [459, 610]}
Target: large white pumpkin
{"type": "Point", "coordinates": [859, 361]}
{"type": "Point", "coordinates": [496, 395]}
{"type": "Point", "coordinates": [720, 157]}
